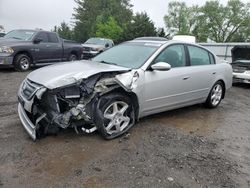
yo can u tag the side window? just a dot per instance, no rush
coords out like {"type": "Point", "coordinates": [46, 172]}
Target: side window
{"type": "Point", "coordinates": [211, 56]}
{"type": "Point", "coordinates": [53, 38]}
{"type": "Point", "coordinates": [174, 55]}
{"type": "Point", "coordinates": [198, 56]}
{"type": "Point", "coordinates": [43, 36]}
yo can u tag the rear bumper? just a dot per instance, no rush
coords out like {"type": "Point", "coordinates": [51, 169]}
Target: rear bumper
{"type": "Point", "coordinates": [26, 122]}
{"type": "Point", "coordinates": [241, 77]}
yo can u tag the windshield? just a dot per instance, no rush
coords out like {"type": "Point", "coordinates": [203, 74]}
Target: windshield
{"type": "Point", "coordinates": [130, 55]}
{"type": "Point", "coordinates": [20, 34]}
{"type": "Point", "coordinates": [95, 41]}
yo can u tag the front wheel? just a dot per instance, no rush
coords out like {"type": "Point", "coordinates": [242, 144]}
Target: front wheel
{"type": "Point", "coordinates": [115, 115]}
{"type": "Point", "coordinates": [22, 62]}
{"type": "Point", "coordinates": [215, 95]}
{"type": "Point", "coordinates": [72, 57]}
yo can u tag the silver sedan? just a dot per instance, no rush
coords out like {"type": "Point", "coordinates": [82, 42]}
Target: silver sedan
{"type": "Point", "coordinates": [118, 87]}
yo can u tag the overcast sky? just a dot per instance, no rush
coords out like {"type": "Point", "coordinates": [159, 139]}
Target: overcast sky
{"type": "Point", "coordinates": [46, 14]}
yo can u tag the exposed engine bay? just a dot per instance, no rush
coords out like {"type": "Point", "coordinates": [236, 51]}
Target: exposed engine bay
{"type": "Point", "coordinates": [73, 106]}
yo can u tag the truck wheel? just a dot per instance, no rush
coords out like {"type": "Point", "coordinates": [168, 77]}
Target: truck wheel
{"type": "Point", "coordinates": [72, 57]}
{"type": "Point", "coordinates": [22, 62]}
{"type": "Point", "coordinates": [215, 96]}
{"type": "Point", "coordinates": [114, 115]}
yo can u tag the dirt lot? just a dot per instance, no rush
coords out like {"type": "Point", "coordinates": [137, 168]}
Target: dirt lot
{"type": "Point", "coordinates": [190, 147]}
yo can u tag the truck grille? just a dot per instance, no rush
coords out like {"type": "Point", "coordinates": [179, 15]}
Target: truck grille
{"type": "Point", "coordinates": [29, 89]}
{"type": "Point", "coordinates": [86, 49]}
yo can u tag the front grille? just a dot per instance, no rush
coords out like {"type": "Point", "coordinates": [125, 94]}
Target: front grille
{"type": "Point", "coordinates": [86, 49]}
{"type": "Point", "coordinates": [29, 89]}
{"type": "Point", "coordinates": [238, 69]}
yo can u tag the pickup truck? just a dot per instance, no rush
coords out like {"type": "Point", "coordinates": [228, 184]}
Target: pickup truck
{"type": "Point", "coordinates": [95, 46]}
{"type": "Point", "coordinates": [22, 48]}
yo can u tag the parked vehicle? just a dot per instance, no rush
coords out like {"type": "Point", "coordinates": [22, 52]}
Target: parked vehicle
{"type": "Point", "coordinates": [121, 85]}
{"type": "Point", "coordinates": [241, 64]}
{"type": "Point", "coordinates": [95, 46]}
{"type": "Point", "coordinates": [22, 48]}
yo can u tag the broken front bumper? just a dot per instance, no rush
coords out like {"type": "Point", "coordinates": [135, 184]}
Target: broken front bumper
{"type": "Point", "coordinates": [26, 122]}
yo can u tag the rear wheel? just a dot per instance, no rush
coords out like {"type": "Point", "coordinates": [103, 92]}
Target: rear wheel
{"type": "Point", "coordinates": [115, 115]}
{"type": "Point", "coordinates": [22, 62]}
{"type": "Point", "coordinates": [215, 95]}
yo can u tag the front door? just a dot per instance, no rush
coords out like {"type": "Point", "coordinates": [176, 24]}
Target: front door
{"type": "Point", "coordinates": [168, 89]}
{"type": "Point", "coordinates": [42, 50]}
{"type": "Point", "coordinates": [55, 47]}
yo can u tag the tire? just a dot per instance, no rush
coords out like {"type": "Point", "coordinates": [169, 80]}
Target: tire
{"type": "Point", "coordinates": [114, 115]}
{"type": "Point", "coordinates": [72, 57]}
{"type": "Point", "coordinates": [22, 62]}
{"type": "Point", "coordinates": [215, 96]}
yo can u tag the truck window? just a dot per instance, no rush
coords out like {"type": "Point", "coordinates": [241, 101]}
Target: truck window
{"type": "Point", "coordinates": [43, 36]}
{"type": "Point", "coordinates": [53, 38]}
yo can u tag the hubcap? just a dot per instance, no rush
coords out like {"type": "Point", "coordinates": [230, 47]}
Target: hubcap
{"type": "Point", "coordinates": [73, 58]}
{"type": "Point", "coordinates": [115, 114]}
{"type": "Point", "coordinates": [24, 63]}
{"type": "Point", "coordinates": [216, 94]}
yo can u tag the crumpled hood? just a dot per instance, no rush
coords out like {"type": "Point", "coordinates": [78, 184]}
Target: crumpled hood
{"type": "Point", "coordinates": [67, 73]}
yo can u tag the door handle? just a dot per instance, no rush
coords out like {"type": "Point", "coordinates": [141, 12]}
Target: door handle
{"type": "Point", "coordinates": [186, 78]}
{"type": "Point", "coordinates": [214, 72]}
{"type": "Point", "coordinates": [47, 45]}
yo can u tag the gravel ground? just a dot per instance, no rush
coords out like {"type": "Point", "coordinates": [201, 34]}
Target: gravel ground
{"type": "Point", "coordinates": [189, 147]}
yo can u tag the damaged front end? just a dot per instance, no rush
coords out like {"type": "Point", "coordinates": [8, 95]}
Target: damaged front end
{"type": "Point", "coordinates": [46, 111]}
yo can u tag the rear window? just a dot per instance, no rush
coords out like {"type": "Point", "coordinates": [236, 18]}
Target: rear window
{"type": "Point", "coordinates": [211, 58]}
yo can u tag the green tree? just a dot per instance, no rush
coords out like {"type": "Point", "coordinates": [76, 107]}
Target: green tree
{"type": "Point", "coordinates": [64, 31]}
{"type": "Point", "coordinates": [180, 18]}
{"type": "Point", "coordinates": [161, 33]}
{"type": "Point", "coordinates": [140, 26]}
{"type": "Point", "coordinates": [109, 29]}
{"type": "Point", "coordinates": [88, 12]}
{"type": "Point", "coordinates": [225, 23]}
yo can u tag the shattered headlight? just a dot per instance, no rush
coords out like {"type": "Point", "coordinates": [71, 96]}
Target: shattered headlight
{"type": "Point", "coordinates": [6, 49]}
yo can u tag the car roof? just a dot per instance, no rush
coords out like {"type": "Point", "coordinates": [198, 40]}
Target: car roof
{"type": "Point", "coordinates": [148, 42]}
{"type": "Point", "coordinates": [159, 43]}
{"type": "Point", "coordinates": [152, 38]}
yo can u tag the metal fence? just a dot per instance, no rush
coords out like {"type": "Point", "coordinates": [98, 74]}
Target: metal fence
{"type": "Point", "coordinates": [223, 50]}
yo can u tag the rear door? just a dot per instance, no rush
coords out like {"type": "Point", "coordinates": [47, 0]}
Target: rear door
{"type": "Point", "coordinates": [203, 71]}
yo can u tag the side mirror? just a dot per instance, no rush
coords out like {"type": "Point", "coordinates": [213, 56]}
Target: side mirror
{"type": "Point", "coordinates": [37, 40]}
{"type": "Point", "coordinates": [161, 66]}
{"type": "Point", "coordinates": [106, 45]}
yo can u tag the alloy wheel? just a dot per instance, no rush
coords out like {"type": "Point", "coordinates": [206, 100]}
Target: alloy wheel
{"type": "Point", "coordinates": [117, 120]}
{"type": "Point", "coordinates": [216, 94]}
